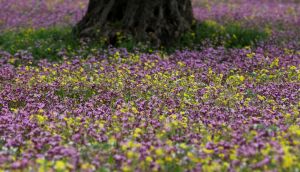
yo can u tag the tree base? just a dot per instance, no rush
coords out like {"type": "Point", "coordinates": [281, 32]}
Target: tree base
{"type": "Point", "coordinates": [159, 22]}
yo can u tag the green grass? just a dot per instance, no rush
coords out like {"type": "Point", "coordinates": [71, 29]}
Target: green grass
{"type": "Point", "coordinates": [42, 43]}
{"type": "Point", "coordinates": [47, 43]}
{"type": "Point", "coordinates": [231, 35]}
{"type": "Point", "coordinates": [83, 93]}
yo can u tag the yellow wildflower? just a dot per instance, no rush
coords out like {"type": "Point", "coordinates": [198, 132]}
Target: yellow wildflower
{"type": "Point", "coordinates": [60, 165]}
{"type": "Point", "coordinates": [159, 152]}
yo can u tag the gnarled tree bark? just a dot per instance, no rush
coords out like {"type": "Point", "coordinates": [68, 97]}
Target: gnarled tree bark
{"type": "Point", "coordinates": [158, 21]}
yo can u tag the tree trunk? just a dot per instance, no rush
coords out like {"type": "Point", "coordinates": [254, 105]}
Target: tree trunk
{"type": "Point", "coordinates": [157, 21]}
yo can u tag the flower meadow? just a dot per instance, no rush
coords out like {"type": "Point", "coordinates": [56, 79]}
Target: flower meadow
{"type": "Point", "coordinates": [40, 13]}
{"type": "Point", "coordinates": [213, 109]}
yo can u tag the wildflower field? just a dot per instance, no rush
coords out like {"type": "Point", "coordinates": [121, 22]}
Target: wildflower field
{"type": "Point", "coordinates": [228, 100]}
